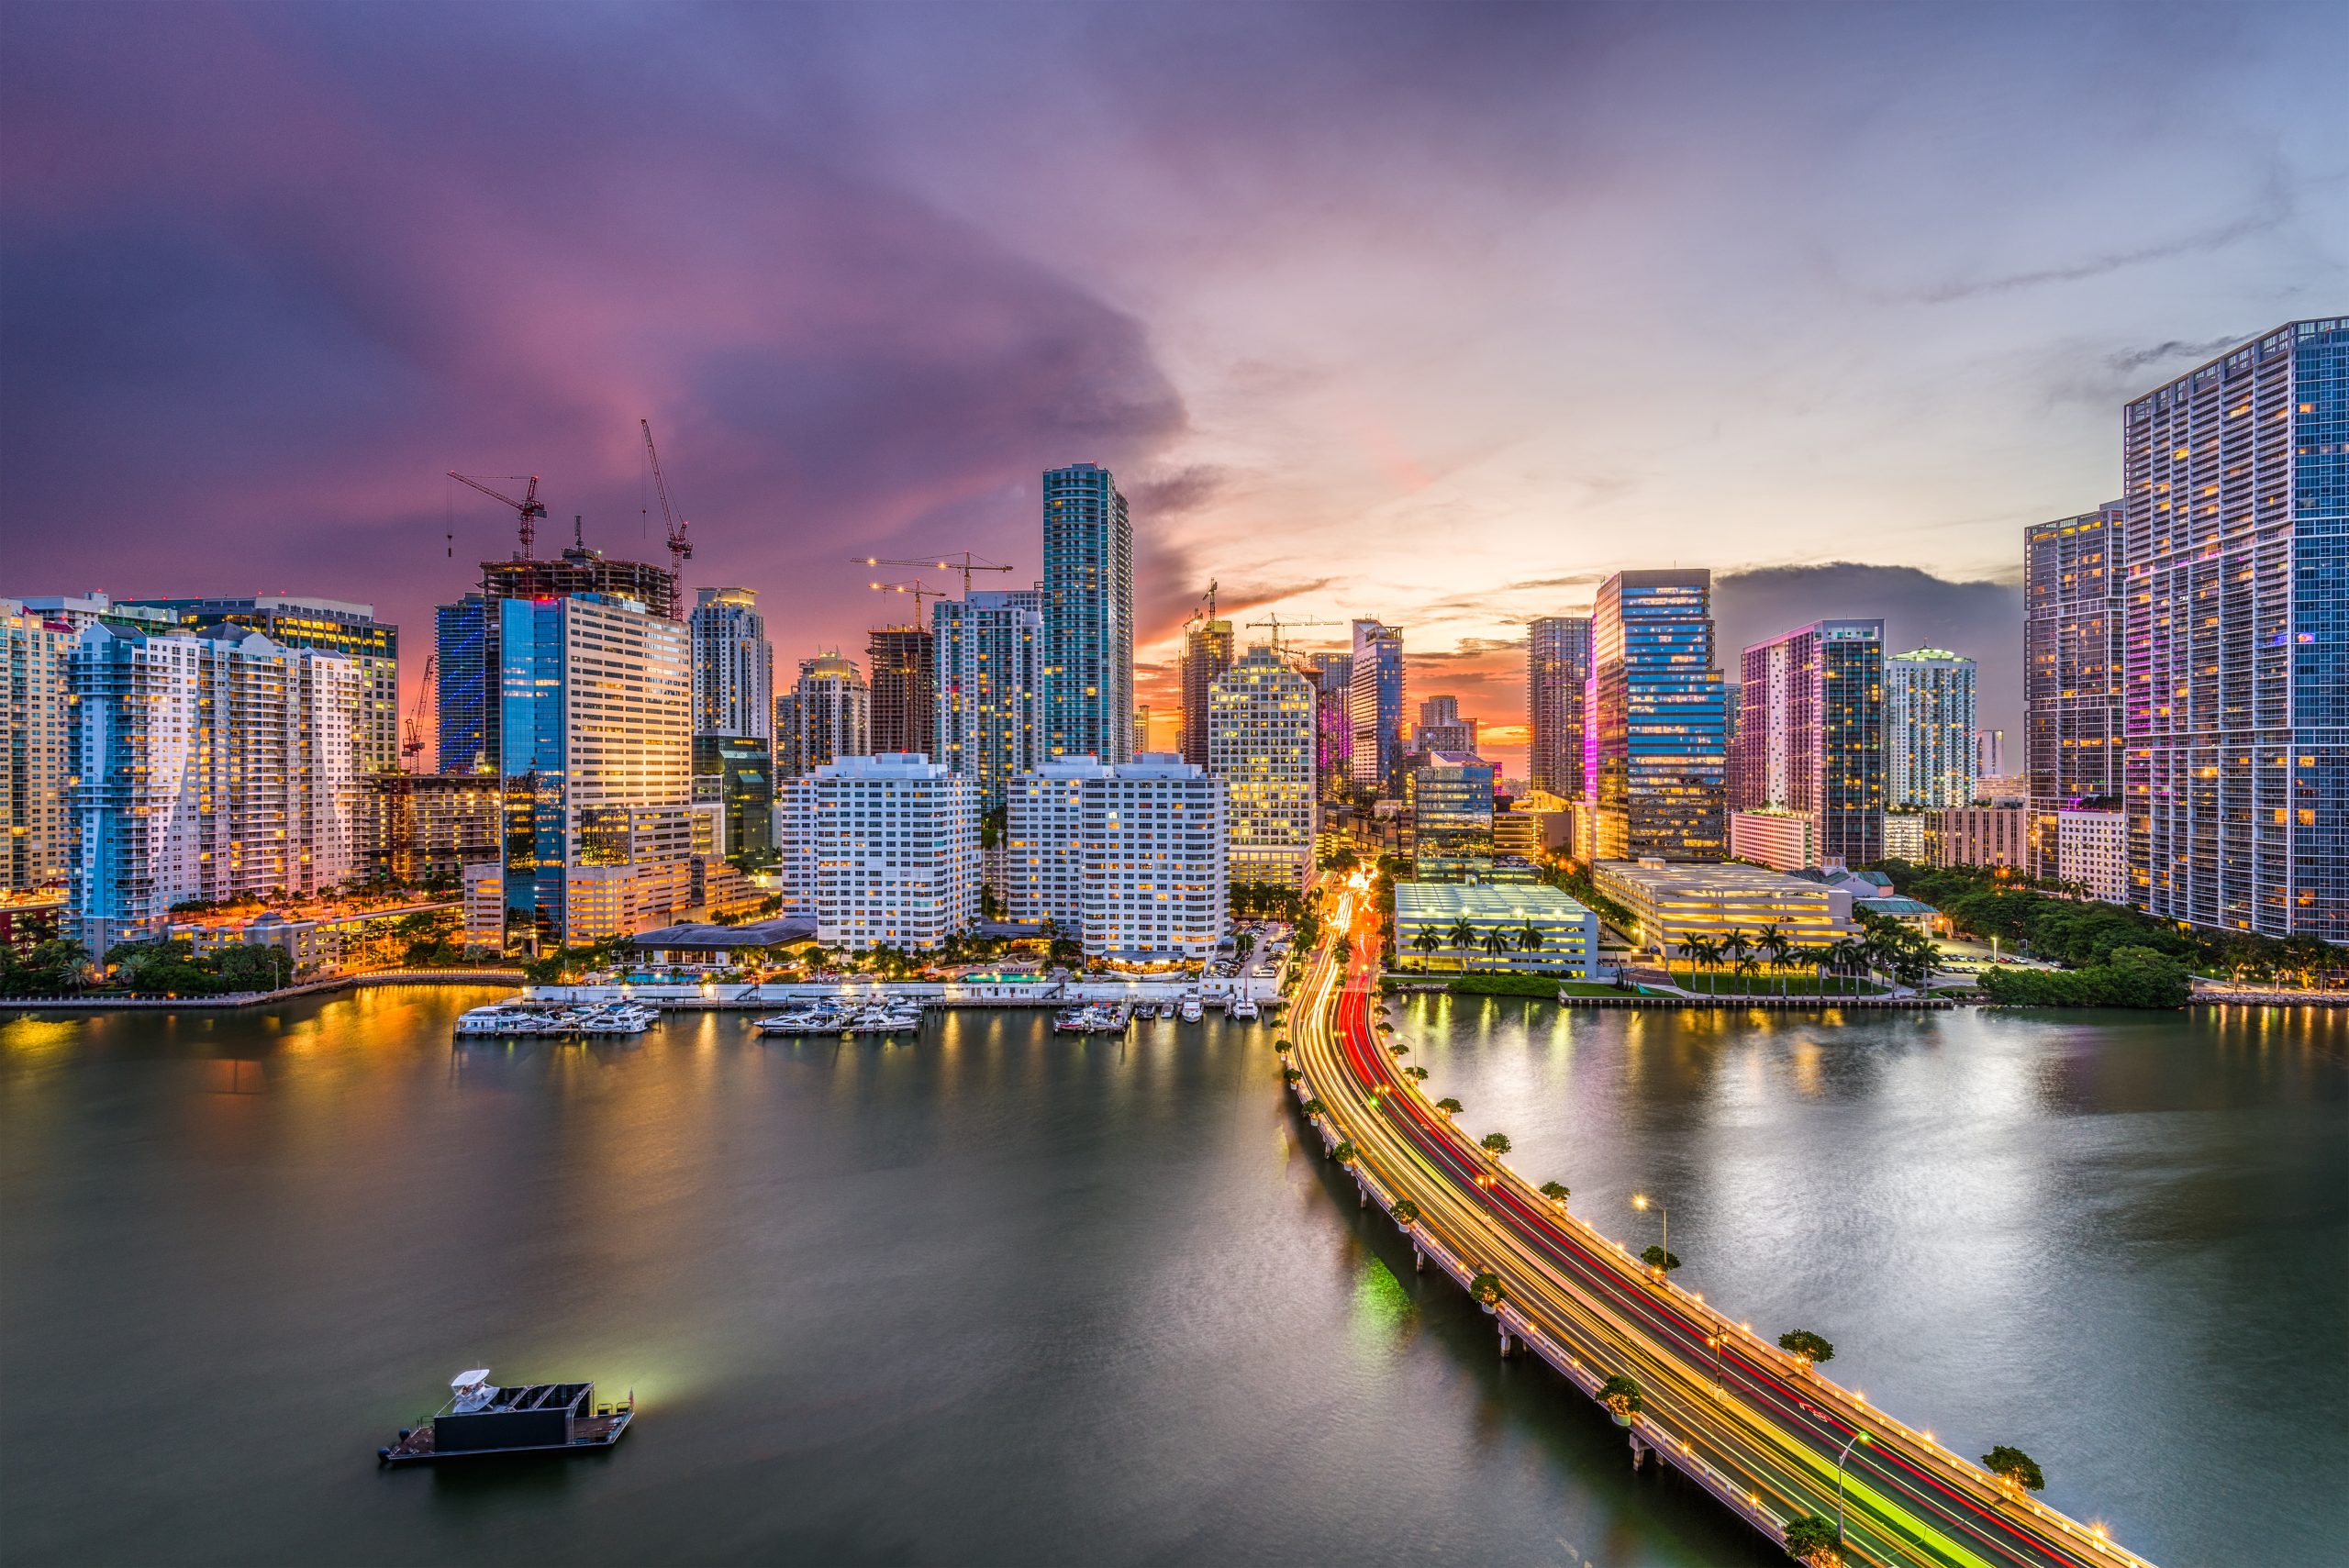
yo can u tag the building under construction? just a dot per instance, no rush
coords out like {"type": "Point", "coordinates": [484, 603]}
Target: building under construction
{"type": "Point", "coordinates": [580, 569]}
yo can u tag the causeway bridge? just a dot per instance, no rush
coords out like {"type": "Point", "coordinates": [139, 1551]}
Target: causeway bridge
{"type": "Point", "coordinates": [1747, 1422]}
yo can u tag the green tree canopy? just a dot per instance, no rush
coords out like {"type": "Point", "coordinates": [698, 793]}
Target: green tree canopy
{"type": "Point", "coordinates": [1449, 1105]}
{"type": "Point", "coordinates": [1556, 1192]}
{"type": "Point", "coordinates": [1622, 1395]}
{"type": "Point", "coordinates": [1345, 1153]}
{"type": "Point", "coordinates": [1812, 1541]}
{"type": "Point", "coordinates": [1809, 1345]}
{"type": "Point", "coordinates": [1657, 1258]}
{"type": "Point", "coordinates": [1405, 1212]}
{"type": "Point", "coordinates": [1486, 1289]}
{"type": "Point", "coordinates": [2015, 1467]}
{"type": "Point", "coordinates": [1495, 1144]}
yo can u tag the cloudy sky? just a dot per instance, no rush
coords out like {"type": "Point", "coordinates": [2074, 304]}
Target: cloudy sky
{"type": "Point", "coordinates": [1433, 313]}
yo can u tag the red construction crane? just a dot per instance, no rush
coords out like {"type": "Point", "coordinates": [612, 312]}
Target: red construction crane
{"type": "Point", "coordinates": [412, 738]}
{"type": "Point", "coordinates": [530, 507]}
{"type": "Point", "coordinates": [968, 564]}
{"type": "Point", "coordinates": [680, 550]}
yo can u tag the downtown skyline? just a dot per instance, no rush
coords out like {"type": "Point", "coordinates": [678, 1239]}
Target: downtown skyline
{"type": "Point", "coordinates": [831, 259]}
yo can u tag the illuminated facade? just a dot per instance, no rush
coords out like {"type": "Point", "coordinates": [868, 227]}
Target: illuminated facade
{"type": "Point", "coordinates": [205, 768]}
{"type": "Point", "coordinates": [2073, 714]}
{"type": "Point", "coordinates": [1089, 604]}
{"type": "Point", "coordinates": [1430, 918]}
{"type": "Point", "coordinates": [1929, 729]}
{"type": "Point", "coordinates": [989, 721]}
{"type": "Point", "coordinates": [827, 715]}
{"type": "Point", "coordinates": [1810, 739]}
{"type": "Point", "coordinates": [1557, 682]}
{"type": "Point", "coordinates": [1669, 904]}
{"type": "Point", "coordinates": [1260, 718]}
{"type": "Point", "coordinates": [36, 841]}
{"type": "Point", "coordinates": [2236, 638]}
{"type": "Point", "coordinates": [329, 626]}
{"type": "Point", "coordinates": [1451, 816]}
{"type": "Point", "coordinates": [883, 851]}
{"type": "Point", "coordinates": [1375, 703]}
{"type": "Point", "coordinates": [1131, 860]}
{"type": "Point", "coordinates": [1443, 729]}
{"type": "Point", "coordinates": [420, 827]}
{"type": "Point", "coordinates": [733, 664]}
{"type": "Point", "coordinates": [1333, 749]}
{"type": "Point", "coordinates": [1655, 738]}
{"type": "Point", "coordinates": [904, 688]}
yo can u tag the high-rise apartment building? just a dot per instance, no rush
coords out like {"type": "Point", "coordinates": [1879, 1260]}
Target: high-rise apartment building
{"type": "Point", "coordinates": [204, 767]}
{"type": "Point", "coordinates": [1089, 591]}
{"type": "Point", "coordinates": [829, 715]}
{"type": "Point", "coordinates": [418, 829]}
{"type": "Point", "coordinates": [884, 850]}
{"type": "Point", "coordinates": [2236, 637]}
{"type": "Point", "coordinates": [1332, 678]}
{"type": "Point", "coordinates": [595, 750]}
{"type": "Point", "coordinates": [904, 688]}
{"type": "Point", "coordinates": [990, 672]}
{"type": "Point", "coordinates": [733, 664]}
{"type": "Point", "coordinates": [1810, 735]}
{"type": "Point", "coordinates": [1129, 860]}
{"type": "Point", "coordinates": [1441, 728]}
{"type": "Point", "coordinates": [1557, 680]}
{"type": "Point", "coordinates": [2073, 714]}
{"type": "Point", "coordinates": [1375, 703]}
{"type": "Point", "coordinates": [36, 841]}
{"type": "Point", "coordinates": [1929, 729]}
{"type": "Point", "coordinates": [1260, 736]}
{"type": "Point", "coordinates": [1655, 727]}
{"type": "Point", "coordinates": [330, 626]}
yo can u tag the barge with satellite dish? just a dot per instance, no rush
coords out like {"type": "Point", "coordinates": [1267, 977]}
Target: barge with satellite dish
{"type": "Point", "coordinates": [483, 1418]}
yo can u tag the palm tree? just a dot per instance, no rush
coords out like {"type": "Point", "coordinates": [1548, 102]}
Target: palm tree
{"type": "Point", "coordinates": [1495, 942]}
{"type": "Point", "coordinates": [1530, 937]}
{"type": "Point", "coordinates": [1737, 948]}
{"type": "Point", "coordinates": [1773, 944]}
{"type": "Point", "coordinates": [1462, 935]}
{"type": "Point", "coordinates": [1745, 968]}
{"type": "Point", "coordinates": [1700, 950]}
{"type": "Point", "coordinates": [1427, 941]}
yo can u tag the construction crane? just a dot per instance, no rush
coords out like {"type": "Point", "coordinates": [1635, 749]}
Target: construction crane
{"type": "Point", "coordinates": [412, 736]}
{"type": "Point", "coordinates": [968, 564]}
{"type": "Point", "coordinates": [530, 507]}
{"type": "Point", "coordinates": [1277, 625]}
{"type": "Point", "coordinates": [918, 589]}
{"type": "Point", "coordinates": [680, 548]}
{"type": "Point", "coordinates": [1207, 598]}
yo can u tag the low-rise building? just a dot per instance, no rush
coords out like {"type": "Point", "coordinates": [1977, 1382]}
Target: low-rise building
{"type": "Point", "coordinates": [724, 947]}
{"type": "Point", "coordinates": [317, 938]}
{"type": "Point", "coordinates": [1783, 840]}
{"type": "Point", "coordinates": [2092, 849]}
{"type": "Point", "coordinates": [1904, 836]}
{"type": "Point", "coordinates": [1670, 903]}
{"type": "Point", "coordinates": [1451, 925]}
{"type": "Point", "coordinates": [30, 917]}
{"type": "Point", "coordinates": [416, 828]}
{"type": "Point", "coordinates": [1978, 836]}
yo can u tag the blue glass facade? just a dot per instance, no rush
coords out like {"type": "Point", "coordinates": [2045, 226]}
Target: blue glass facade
{"type": "Point", "coordinates": [530, 680]}
{"type": "Point", "coordinates": [2236, 638]}
{"type": "Point", "coordinates": [1374, 705]}
{"type": "Point", "coordinates": [464, 652]}
{"type": "Point", "coordinates": [1088, 615]}
{"type": "Point", "coordinates": [1657, 723]}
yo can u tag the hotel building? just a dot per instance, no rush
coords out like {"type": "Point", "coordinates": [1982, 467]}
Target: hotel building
{"type": "Point", "coordinates": [1129, 860]}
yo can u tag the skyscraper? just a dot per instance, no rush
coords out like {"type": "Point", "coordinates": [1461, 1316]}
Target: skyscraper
{"type": "Point", "coordinates": [1557, 676]}
{"type": "Point", "coordinates": [331, 626]}
{"type": "Point", "coordinates": [205, 766]}
{"type": "Point", "coordinates": [2236, 637]}
{"type": "Point", "coordinates": [1261, 743]}
{"type": "Point", "coordinates": [1206, 653]}
{"type": "Point", "coordinates": [830, 715]}
{"type": "Point", "coordinates": [1452, 812]}
{"type": "Point", "coordinates": [733, 665]}
{"type": "Point", "coordinates": [990, 672]}
{"type": "Point", "coordinates": [596, 748]}
{"type": "Point", "coordinates": [1332, 678]}
{"type": "Point", "coordinates": [1929, 729]}
{"type": "Point", "coordinates": [1810, 735]}
{"type": "Point", "coordinates": [1653, 722]}
{"type": "Point", "coordinates": [1375, 703]}
{"type": "Point", "coordinates": [2072, 657]}
{"type": "Point", "coordinates": [739, 769]}
{"type": "Point", "coordinates": [35, 655]}
{"type": "Point", "coordinates": [1089, 591]}
{"type": "Point", "coordinates": [1441, 729]}
{"type": "Point", "coordinates": [904, 688]}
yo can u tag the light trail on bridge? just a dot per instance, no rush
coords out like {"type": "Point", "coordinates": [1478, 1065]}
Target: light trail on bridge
{"type": "Point", "coordinates": [1769, 1428]}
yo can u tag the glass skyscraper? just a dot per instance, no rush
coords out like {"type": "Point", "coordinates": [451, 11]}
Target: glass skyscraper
{"type": "Point", "coordinates": [1655, 720]}
{"type": "Point", "coordinates": [1810, 734]}
{"type": "Point", "coordinates": [1557, 676]}
{"type": "Point", "coordinates": [989, 651]}
{"type": "Point", "coordinates": [1375, 703]}
{"type": "Point", "coordinates": [1089, 591]}
{"type": "Point", "coordinates": [733, 664]}
{"type": "Point", "coordinates": [2236, 638]}
{"type": "Point", "coordinates": [2071, 669]}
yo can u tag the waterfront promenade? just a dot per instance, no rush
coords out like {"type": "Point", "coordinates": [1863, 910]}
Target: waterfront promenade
{"type": "Point", "coordinates": [1760, 1432]}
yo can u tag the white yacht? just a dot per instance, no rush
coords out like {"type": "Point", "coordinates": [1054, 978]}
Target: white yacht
{"type": "Point", "coordinates": [1192, 1011]}
{"type": "Point", "coordinates": [1241, 1007]}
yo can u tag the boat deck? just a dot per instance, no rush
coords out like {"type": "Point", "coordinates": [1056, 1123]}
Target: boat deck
{"type": "Point", "coordinates": [588, 1431]}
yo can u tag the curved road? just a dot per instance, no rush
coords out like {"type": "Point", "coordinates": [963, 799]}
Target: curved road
{"type": "Point", "coordinates": [1774, 1428]}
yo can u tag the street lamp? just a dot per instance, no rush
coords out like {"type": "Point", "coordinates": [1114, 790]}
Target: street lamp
{"type": "Point", "coordinates": [1642, 1201]}
{"type": "Point", "coordinates": [1858, 1438]}
{"type": "Point", "coordinates": [1716, 1339]}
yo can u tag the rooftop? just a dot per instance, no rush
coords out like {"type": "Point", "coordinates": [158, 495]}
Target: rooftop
{"type": "Point", "coordinates": [1517, 902]}
{"type": "Point", "coordinates": [776, 933]}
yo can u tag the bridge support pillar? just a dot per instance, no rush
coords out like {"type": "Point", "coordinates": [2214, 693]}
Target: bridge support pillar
{"type": "Point", "coordinates": [1504, 1341]}
{"type": "Point", "coordinates": [1418, 1262]}
{"type": "Point", "coordinates": [1639, 1452]}
{"type": "Point", "coordinates": [1364, 1194]}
